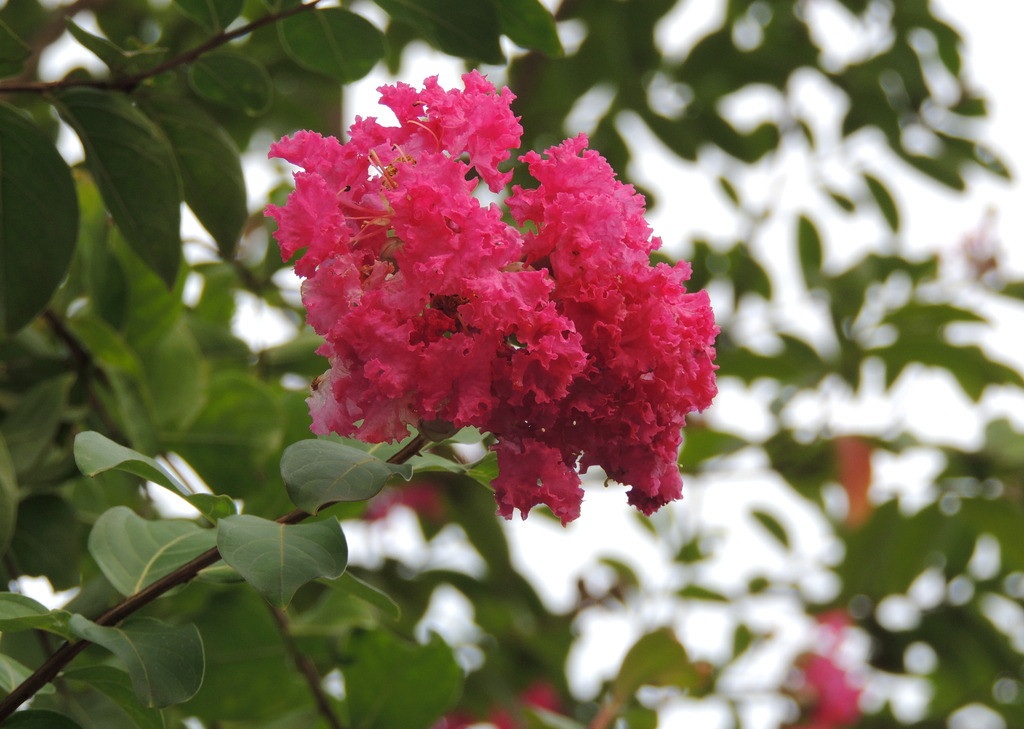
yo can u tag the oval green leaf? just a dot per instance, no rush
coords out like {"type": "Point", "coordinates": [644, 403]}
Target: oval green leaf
{"type": "Point", "coordinates": [332, 41]}
{"type": "Point", "coordinates": [320, 472]}
{"type": "Point", "coordinates": [164, 662]}
{"type": "Point", "coordinates": [133, 166]}
{"type": "Point", "coordinates": [464, 28]}
{"type": "Point", "coordinates": [530, 25]}
{"type": "Point", "coordinates": [810, 250]}
{"type": "Point", "coordinates": [773, 526]}
{"type": "Point", "coordinates": [13, 673]}
{"type": "Point", "coordinates": [214, 15]}
{"type": "Point", "coordinates": [392, 683]}
{"type": "Point", "coordinates": [96, 453]}
{"type": "Point", "coordinates": [885, 202]}
{"type": "Point", "coordinates": [116, 685]}
{"type": "Point", "coordinates": [233, 80]}
{"type": "Point", "coordinates": [211, 171]}
{"type": "Point", "coordinates": [278, 559]}
{"type": "Point", "coordinates": [133, 552]}
{"type": "Point", "coordinates": [657, 659]}
{"type": "Point", "coordinates": [20, 612]}
{"type": "Point", "coordinates": [38, 219]}
{"type": "Point", "coordinates": [39, 719]}
{"type": "Point", "coordinates": [13, 51]}
{"type": "Point", "coordinates": [31, 424]}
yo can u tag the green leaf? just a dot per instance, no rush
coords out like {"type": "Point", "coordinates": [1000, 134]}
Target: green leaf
{"type": "Point", "coordinates": [485, 470]}
{"type": "Point", "coordinates": [46, 540]}
{"type": "Point", "coordinates": [39, 719]}
{"type": "Point", "coordinates": [251, 676]}
{"type": "Point", "coordinates": [20, 612]}
{"type": "Point", "coordinates": [96, 453]}
{"type": "Point", "coordinates": [730, 190]}
{"type": "Point", "coordinates": [233, 80]}
{"type": "Point", "coordinates": [885, 202]}
{"type": "Point", "coordinates": [105, 344]}
{"type": "Point", "coordinates": [466, 28]}
{"type": "Point", "coordinates": [165, 662]}
{"type": "Point", "coordinates": [8, 497]}
{"type": "Point", "coordinates": [116, 58]}
{"type": "Point", "coordinates": [116, 684]}
{"type": "Point", "coordinates": [233, 441]}
{"type": "Point", "coordinates": [842, 201]}
{"type": "Point", "coordinates": [657, 659]}
{"type": "Point", "coordinates": [133, 166]}
{"type": "Point", "coordinates": [211, 171]}
{"type": "Point", "coordinates": [529, 24]}
{"type": "Point", "coordinates": [133, 552]}
{"type": "Point", "coordinates": [177, 377]}
{"type": "Point", "coordinates": [38, 219]}
{"type": "Point", "coordinates": [332, 41]}
{"type": "Point", "coordinates": [809, 249]}
{"type": "Point", "coordinates": [696, 592]}
{"type": "Point", "coordinates": [101, 47]}
{"type": "Point", "coordinates": [319, 472]}
{"type": "Point", "coordinates": [773, 526]}
{"type": "Point", "coordinates": [213, 15]}
{"type": "Point", "coordinates": [13, 51]}
{"type": "Point", "coordinates": [31, 424]}
{"type": "Point", "coordinates": [367, 593]}
{"type": "Point", "coordinates": [385, 686]}
{"type": "Point", "coordinates": [278, 559]}
{"type": "Point", "coordinates": [13, 673]}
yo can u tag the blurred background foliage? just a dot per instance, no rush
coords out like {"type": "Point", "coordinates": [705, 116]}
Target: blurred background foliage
{"type": "Point", "coordinates": [113, 322]}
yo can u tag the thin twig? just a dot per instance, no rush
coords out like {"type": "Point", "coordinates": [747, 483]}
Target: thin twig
{"type": "Point", "coordinates": [307, 669]}
{"type": "Point", "coordinates": [127, 83]}
{"type": "Point", "coordinates": [64, 655]}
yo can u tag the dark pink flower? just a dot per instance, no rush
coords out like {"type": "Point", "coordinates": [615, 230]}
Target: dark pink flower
{"type": "Point", "coordinates": [565, 343]}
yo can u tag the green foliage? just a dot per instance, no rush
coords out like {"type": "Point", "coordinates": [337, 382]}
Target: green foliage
{"type": "Point", "coordinates": [39, 205]}
{"type": "Point", "coordinates": [165, 663]}
{"type": "Point", "coordinates": [133, 166]}
{"type": "Point", "coordinates": [278, 559]}
{"type": "Point", "coordinates": [391, 684]}
{"type": "Point", "coordinates": [121, 367]}
{"type": "Point", "coordinates": [320, 472]}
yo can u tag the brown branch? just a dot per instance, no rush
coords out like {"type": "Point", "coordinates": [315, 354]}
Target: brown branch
{"type": "Point", "coordinates": [307, 669]}
{"type": "Point", "coordinates": [64, 655]}
{"type": "Point", "coordinates": [127, 83]}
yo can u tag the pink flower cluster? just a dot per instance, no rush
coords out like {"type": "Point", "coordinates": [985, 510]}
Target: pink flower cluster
{"type": "Point", "coordinates": [553, 333]}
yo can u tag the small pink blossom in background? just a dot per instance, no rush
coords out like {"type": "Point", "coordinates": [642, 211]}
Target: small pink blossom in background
{"type": "Point", "coordinates": [830, 695]}
{"type": "Point", "coordinates": [563, 341]}
{"type": "Point", "coordinates": [538, 695]}
{"type": "Point", "coordinates": [422, 497]}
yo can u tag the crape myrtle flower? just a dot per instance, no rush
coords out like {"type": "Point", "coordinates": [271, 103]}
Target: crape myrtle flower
{"type": "Point", "coordinates": [554, 333]}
